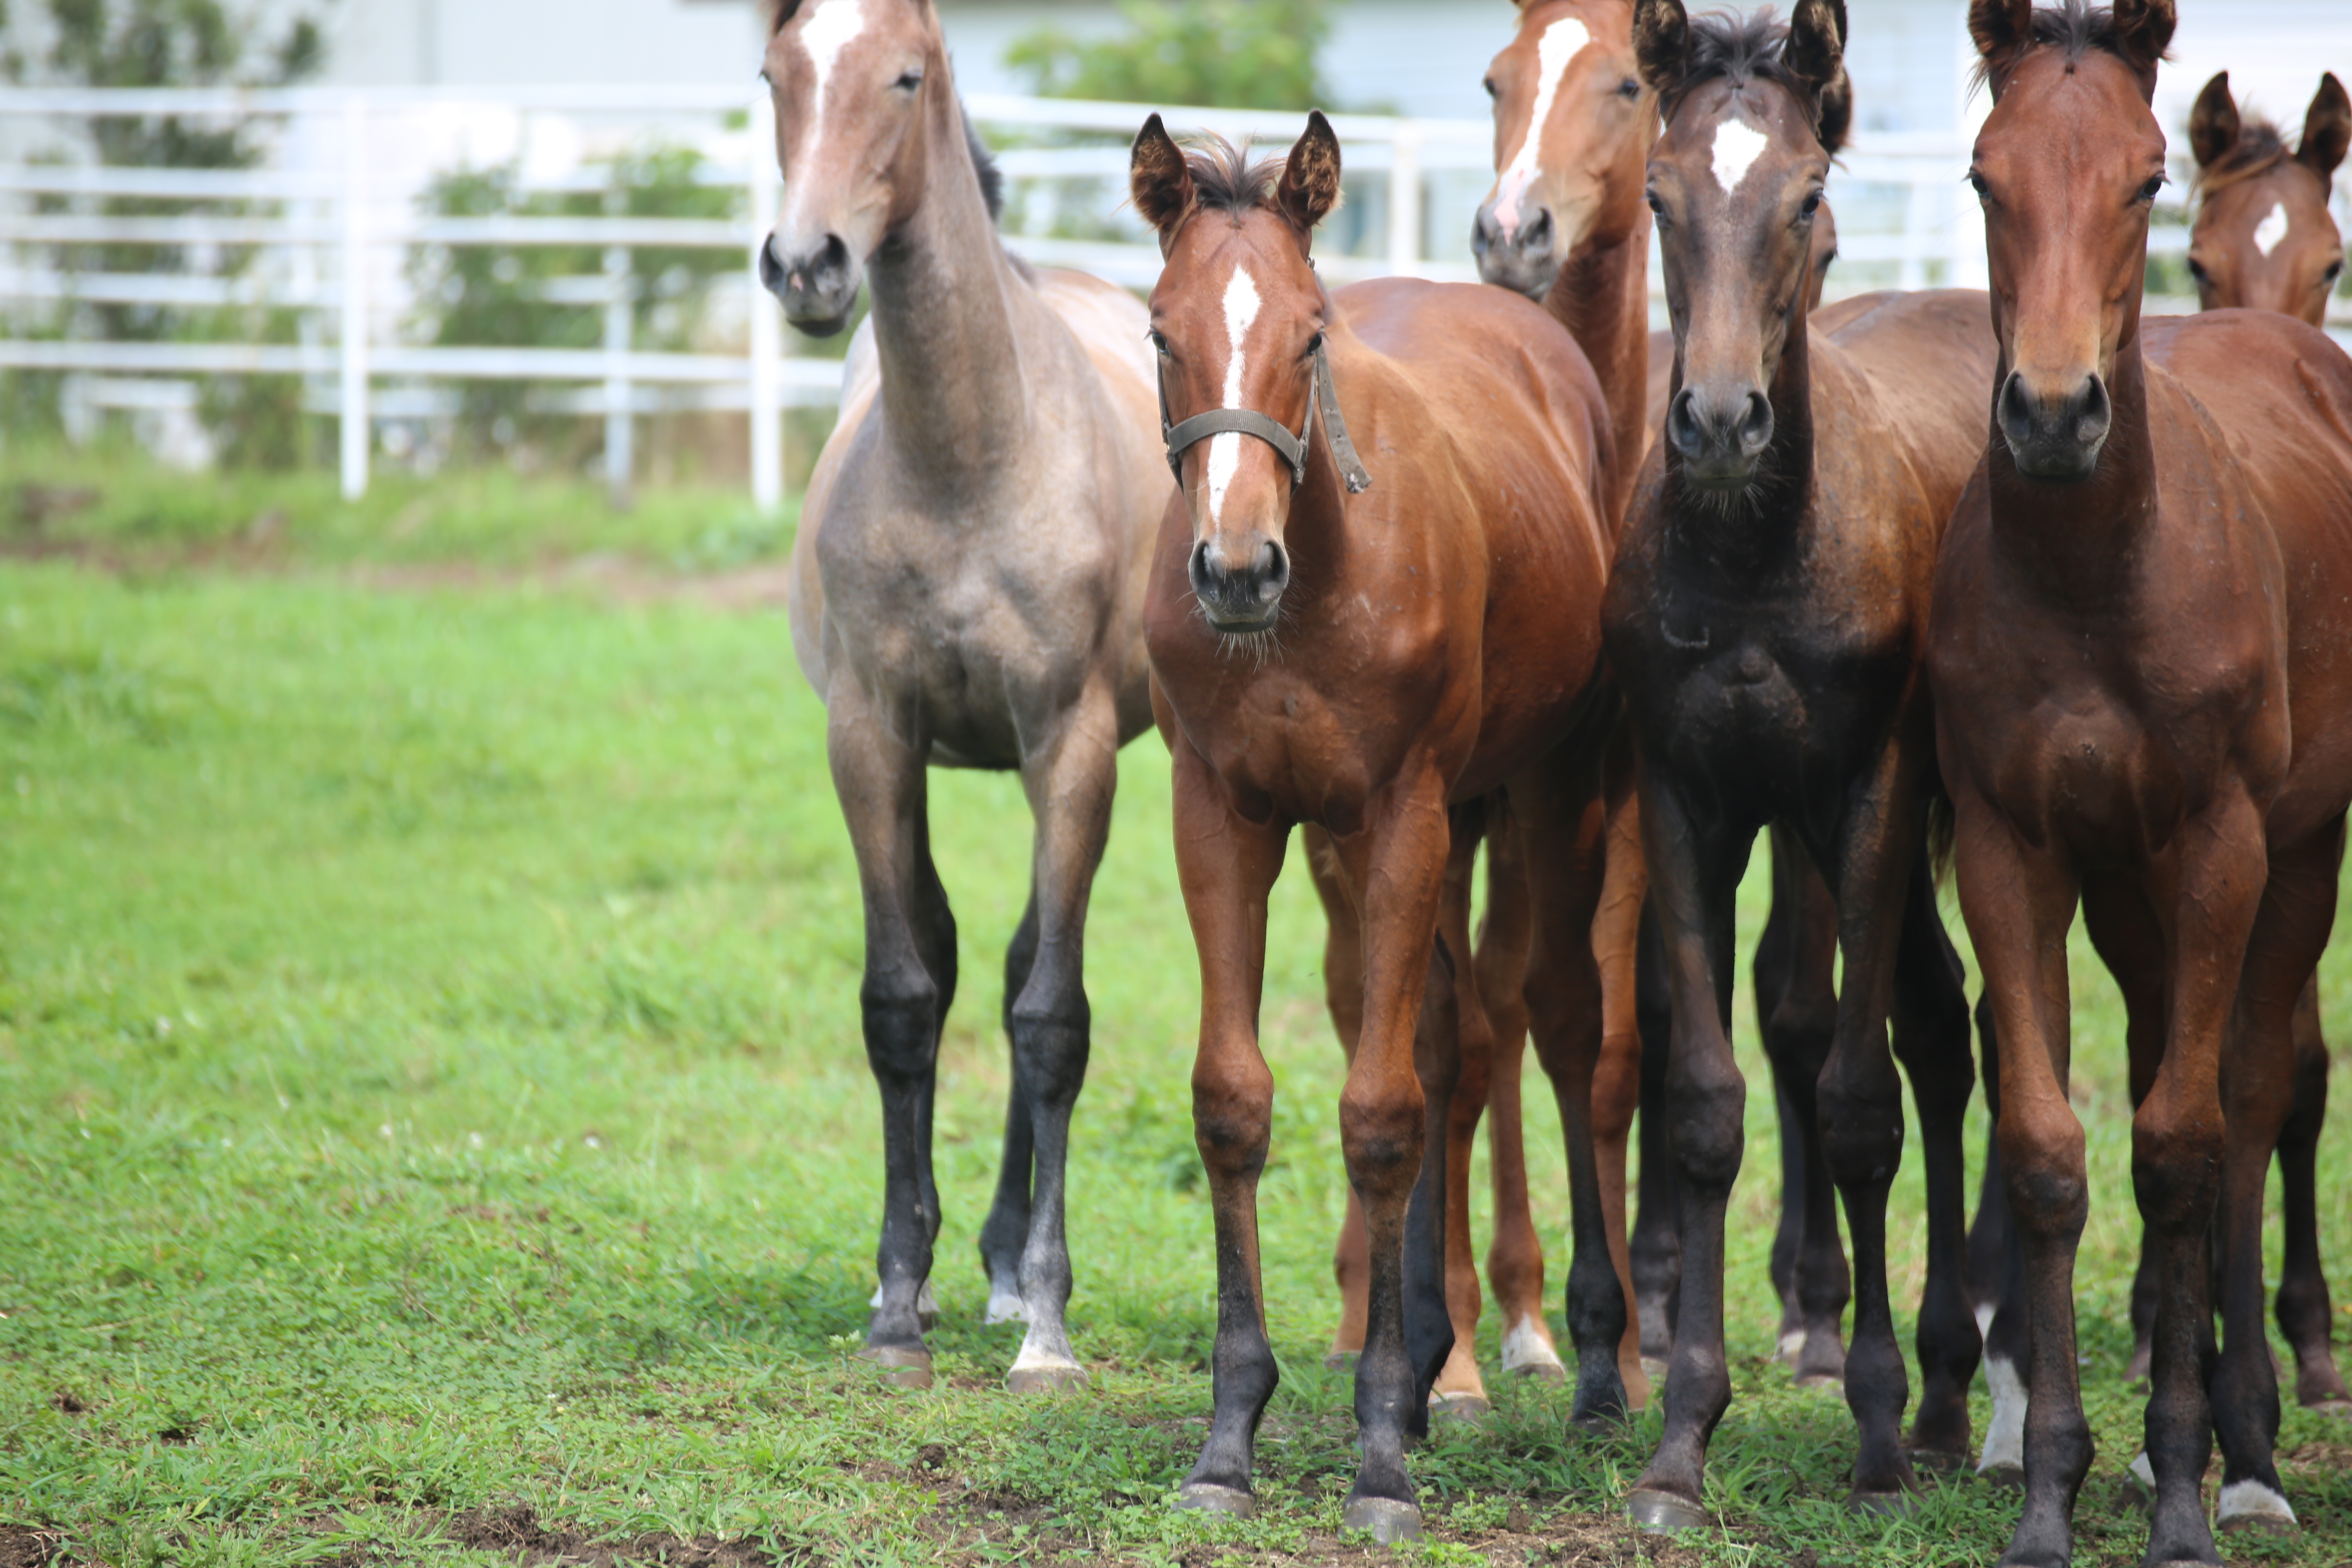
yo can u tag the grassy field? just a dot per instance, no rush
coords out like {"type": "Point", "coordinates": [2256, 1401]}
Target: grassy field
{"type": "Point", "coordinates": [433, 1127]}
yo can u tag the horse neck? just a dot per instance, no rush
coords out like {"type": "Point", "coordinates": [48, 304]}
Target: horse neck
{"type": "Point", "coordinates": [1603, 297]}
{"type": "Point", "coordinates": [2078, 544]}
{"type": "Point", "coordinates": [954, 397]}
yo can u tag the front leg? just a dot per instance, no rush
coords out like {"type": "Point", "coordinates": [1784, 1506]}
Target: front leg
{"type": "Point", "coordinates": [1069, 782]}
{"type": "Point", "coordinates": [878, 775]}
{"type": "Point", "coordinates": [1228, 865]}
{"type": "Point", "coordinates": [1695, 867]}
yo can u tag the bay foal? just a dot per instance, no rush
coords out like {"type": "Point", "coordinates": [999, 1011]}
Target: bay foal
{"type": "Point", "coordinates": [2136, 659]}
{"type": "Point", "coordinates": [1766, 614]}
{"type": "Point", "coordinates": [1365, 651]}
{"type": "Point", "coordinates": [966, 590]}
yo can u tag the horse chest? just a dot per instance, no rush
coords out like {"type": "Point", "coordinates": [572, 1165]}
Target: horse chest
{"type": "Point", "coordinates": [1753, 711]}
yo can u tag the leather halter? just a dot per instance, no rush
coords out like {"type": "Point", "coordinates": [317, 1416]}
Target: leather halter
{"type": "Point", "coordinates": [1250, 422]}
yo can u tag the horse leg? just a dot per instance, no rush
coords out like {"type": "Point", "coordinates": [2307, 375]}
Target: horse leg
{"type": "Point", "coordinates": [1515, 1262]}
{"type": "Point", "coordinates": [1451, 1007]}
{"type": "Point", "coordinates": [1006, 1233]}
{"type": "Point", "coordinates": [1617, 1076]}
{"type": "Point", "coordinates": [1343, 998]}
{"type": "Point", "coordinates": [1798, 1032]}
{"type": "Point", "coordinates": [1563, 822]}
{"type": "Point", "coordinates": [2304, 1314]}
{"type": "Point", "coordinates": [1694, 870]}
{"type": "Point", "coordinates": [2017, 902]}
{"type": "Point", "coordinates": [2210, 883]}
{"type": "Point", "coordinates": [908, 983]}
{"type": "Point", "coordinates": [1931, 1041]}
{"type": "Point", "coordinates": [1656, 1243]}
{"type": "Point", "coordinates": [1069, 782]}
{"type": "Point", "coordinates": [2128, 937]}
{"type": "Point", "coordinates": [2258, 1090]}
{"type": "Point", "coordinates": [1988, 1231]}
{"type": "Point", "coordinates": [1398, 1166]}
{"type": "Point", "coordinates": [1228, 866]}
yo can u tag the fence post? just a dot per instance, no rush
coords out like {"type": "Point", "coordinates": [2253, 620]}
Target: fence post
{"type": "Point", "coordinates": [1405, 200]}
{"type": "Point", "coordinates": [352, 407]}
{"type": "Point", "coordinates": [620, 424]}
{"type": "Point", "coordinates": [767, 328]}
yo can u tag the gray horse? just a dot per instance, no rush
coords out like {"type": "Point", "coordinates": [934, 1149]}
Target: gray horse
{"type": "Point", "coordinates": [966, 590]}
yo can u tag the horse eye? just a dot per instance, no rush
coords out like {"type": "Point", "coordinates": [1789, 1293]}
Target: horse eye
{"type": "Point", "coordinates": [2197, 271]}
{"type": "Point", "coordinates": [1656, 206]}
{"type": "Point", "coordinates": [1629, 89]}
{"type": "Point", "coordinates": [1158, 343]}
{"type": "Point", "coordinates": [1489, 84]}
{"type": "Point", "coordinates": [909, 82]}
{"type": "Point", "coordinates": [2332, 274]}
{"type": "Point", "coordinates": [2150, 191]}
{"type": "Point", "coordinates": [1977, 182]}
{"type": "Point", "coordinates": [1813, 202]}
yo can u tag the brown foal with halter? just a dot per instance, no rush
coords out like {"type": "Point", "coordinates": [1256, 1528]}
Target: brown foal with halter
{"type": "Point", "coordinates": [1365, 651]}
{"type": "Point", "coordinates": [2137, 656]}
{"type": "Point", "coordinates": [1766, 615]}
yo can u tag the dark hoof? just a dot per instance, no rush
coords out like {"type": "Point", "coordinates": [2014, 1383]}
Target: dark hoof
{"type": "Point", "coordinates": [1661, 1512]}
{"type": "Point", "coordinates": [1551, 1371]}
{"type": "Point", "coordinates": [1833, 1383]}
{"type": "Point", "coordinates": [1883, 1505]}
{"type": "Point", "coordinates": [1201, 1497]}
{"type": "Point", "coordinates": [1339, 1361]}
{"type": "Point", "coordinates": [1939, 1462]}
{"type": "Point", "coordinates": [2336, 1405]}
{"type": "Point", "coordinates": [1603, 1423]}
{"type": "Point", "coordinates": [900, 1368]}
{"type": "Point", "coordinates": [2008, 1477]}
{"type": "Point", "coordinates": [1047, 1377]}
{"type": "Point", "coordinates": [2268, 1524]}
{"type": "Point", "coordinates": [1388, 1519]}
{"type": "Point", "coordinates": [1458, 1407]}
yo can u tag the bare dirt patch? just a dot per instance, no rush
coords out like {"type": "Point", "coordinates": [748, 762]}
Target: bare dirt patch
{"type": "Point", "coordinates": [22, 1546]}
{"type": "Point", "coordinates": [516, 1531]}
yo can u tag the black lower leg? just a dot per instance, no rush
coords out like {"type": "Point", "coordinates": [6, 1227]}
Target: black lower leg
{"type": "Point", "coordinates": [1005, 1233]}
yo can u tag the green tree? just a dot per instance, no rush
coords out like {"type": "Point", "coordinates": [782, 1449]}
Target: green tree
{"type": "Point", "coordinates": [1223, 54]}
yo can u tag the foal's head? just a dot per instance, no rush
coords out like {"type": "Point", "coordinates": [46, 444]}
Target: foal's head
{"type": "Point", "coordinates": [1236, 317]}
{"type": "Point", "coordinates": [1754, 111]}
{"type": "Point", "coordinates": [1573, 121]}
{"type": "Point", "coordinates": [2068, 165]}
{"type": "Point", "coordinates": [2264, 238]}
{"type": "Point", "coordinates": [854, 84]}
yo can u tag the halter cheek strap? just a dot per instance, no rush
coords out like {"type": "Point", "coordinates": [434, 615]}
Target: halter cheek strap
{"type": "Point", "coordinates": [1250, 422]}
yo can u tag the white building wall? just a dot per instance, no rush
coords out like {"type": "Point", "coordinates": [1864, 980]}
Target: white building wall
{"type": "Point", "coordinates": [494, 43]}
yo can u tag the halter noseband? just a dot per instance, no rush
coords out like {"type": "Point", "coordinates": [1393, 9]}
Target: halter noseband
{"type": "Point", "coordinates": [1250, 422]}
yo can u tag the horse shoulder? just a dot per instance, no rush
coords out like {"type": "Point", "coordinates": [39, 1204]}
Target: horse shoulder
{"type": "Point", "coordinates": [861, 385]}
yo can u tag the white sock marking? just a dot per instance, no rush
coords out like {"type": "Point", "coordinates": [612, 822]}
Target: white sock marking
{"type": "Point", "coordinates": [2145, 1472]}
{"type": "Point", "coordinates": [1555, 52]}
{"type": "Point", "coordinates": [2005, 1434]}
{"type": "Point", "coordinates": [2251, 1499]}
{"type": "Point", "coordinates": [925, 1302]}
{"type": "Point", "coordinates": [827, 32]}
{"type": "Point", "coordinates": [1527, 1345]}
{"type": "Point", "coordinates": [1225, 451]}
{"type": "Point", "coordinates": [1984, 1319]}
{"type": "Point", "coordinates": [1737, 145]}
{"type": "Point", "coordinates": [2270, 231]}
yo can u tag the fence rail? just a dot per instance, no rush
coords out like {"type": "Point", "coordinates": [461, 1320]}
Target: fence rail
{"type": "Point", "coordinates": [1902, 221]}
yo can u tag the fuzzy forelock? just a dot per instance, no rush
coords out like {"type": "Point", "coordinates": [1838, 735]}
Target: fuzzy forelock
{"type": "Point", "coordinates": [2076, 26]}
{"type": "Point", "coordinates": [1225, 179]}
{"type": "Point", "coordinates": [1738, 49]}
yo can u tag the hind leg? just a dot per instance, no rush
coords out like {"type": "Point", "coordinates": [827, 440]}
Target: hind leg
{"type": "Point", "coordinates": [2304, 1315]}
{"type": "Point", "coordinates": [1006, 1233]}
{"type": "Point", "coordinates": [1343, 997]}
{"type": "Point", "coordinates": [1617, 1075]}
{"type": "Point", "coordinates": [1798, 1034]}
{"type": "Point", "coordinates": [1461, 1035]}
{"type": "Point", "coordinates": [1656, 1246]}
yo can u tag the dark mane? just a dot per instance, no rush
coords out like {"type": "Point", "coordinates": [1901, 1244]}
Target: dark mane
{"type": "Point", "coordinates": [2076, 26]}
{"type": "Point", "coordinates": [1741, 50]}
{"type": "Point", "coordinates": [1223, 178]}
{"type": "Point", "coordinates": [2259, 149]}
{"type": "Point", "coordinates": [984, 163]}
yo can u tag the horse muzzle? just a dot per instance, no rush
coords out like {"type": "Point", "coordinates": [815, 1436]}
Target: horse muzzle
{"type": "Point", "coordinates": [1240, 583]}
{"type": "Point", "coordinates": [817, 282]}
{"type": "Point", "coordinates": [2056, 437]}
{"type": "Point", "coordinates": [1719, 438]}
{"type": "Point", "coordinates": [1524, 257]}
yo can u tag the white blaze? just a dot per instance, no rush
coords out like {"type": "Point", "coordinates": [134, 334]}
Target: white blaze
{"type": "Point", "coordinates": [1737, 145]}
{"type": "Point", "coordinates": [824, 35]}
{"type": "Point", "coordinates": [2270, 230]}
{"type": "Point", "coordinates": [1555, 52]}
{"type": "Point", "coordinates": [1226, 450]}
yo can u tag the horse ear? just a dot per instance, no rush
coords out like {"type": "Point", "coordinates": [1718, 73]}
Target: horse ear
{"type": "Point", "coordinates": [1310, 175]}
{"type": "Point", "coordinates": [1159, 180]}
{"type": "Point", "coordinates": [1816, 51]}
{"type": "Point", "coordinates": [1661, 42]}
{"type": "Point", "coordinates": [1837, 114]}
{"type": "Point", "coordinates": [2327, 129]}
{"type": "Point", "coordinates": [2143, 28]}
{"type": "Point", "coordinates": [2213, 123]}
{"type": "Point", "coordinates": [2001, 28]}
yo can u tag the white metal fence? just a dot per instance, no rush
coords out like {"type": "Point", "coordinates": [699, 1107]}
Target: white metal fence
{"type": "Point", "coordinates": [334, 210]}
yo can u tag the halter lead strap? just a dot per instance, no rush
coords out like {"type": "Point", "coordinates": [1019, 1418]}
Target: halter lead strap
{"type": "Point", "coordinates": [1250, 422]}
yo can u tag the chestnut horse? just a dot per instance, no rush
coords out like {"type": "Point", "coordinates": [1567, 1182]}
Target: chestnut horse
{"type": "Point", "coordinates": [1564, 225]}
{"type": "Point", "coordinates": [1365, 652]}
{"type": "Point", "coordinates": [966, 590]}
{"type": "Point", "coordinates": [2136, 663]}
{"type": "Point", "coordinates": [1766, 614]}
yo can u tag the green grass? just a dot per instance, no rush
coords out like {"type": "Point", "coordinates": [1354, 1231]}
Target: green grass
{"type": "Point", "coordinates": [433, 1120]}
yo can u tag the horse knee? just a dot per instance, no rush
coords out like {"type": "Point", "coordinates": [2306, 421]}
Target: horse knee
{"type": "Point", "coordinates": [900, 1013]}
{"type": "Point", "coordinates": [1861, 1118]}
{"type": "Point", "coordinates": [1616, 1088]}
{"type": "Point", "coordinates": [1381, 1133]}
{"type": "Point", "coordinates": [2176, 1162]}
{"type": "Point", "coordinates": [1233, 1112]}
{"type": "Point", "coordinates": [2042, 1160]}
{"type": "Point", "coordinates": [1706, 1116]}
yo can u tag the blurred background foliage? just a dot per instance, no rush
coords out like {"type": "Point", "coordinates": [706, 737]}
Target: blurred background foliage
{"type": "Point", "coordinates": [1220, 54]}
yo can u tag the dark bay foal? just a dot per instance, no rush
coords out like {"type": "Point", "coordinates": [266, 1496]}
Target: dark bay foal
{"type": "Point", "coordinates": [2137, 661]}
{"type": "Point", "coordinates": [1368, 652]}
{"type": "Point", "coordinates": [1767, 616]}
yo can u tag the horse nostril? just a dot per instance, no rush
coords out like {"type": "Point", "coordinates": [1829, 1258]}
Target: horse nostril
{"type": "Point", "coordinates": [2016, 409]}
{"type": "Point", "coordinates": [1755, 423]}
{"type": "Point", "coordinates": [1484, 232]}
{"type": "Point", "coordinates": [1273, 568]}
{"type": "Point", "coordinates": [1682, 424]}
{"type": "Point", "coordinates": [1535, 238]}
{"type": "Point", "coordinates": [2091, 410]}
{"type": "Point", "coordinates": [1201, 569]}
